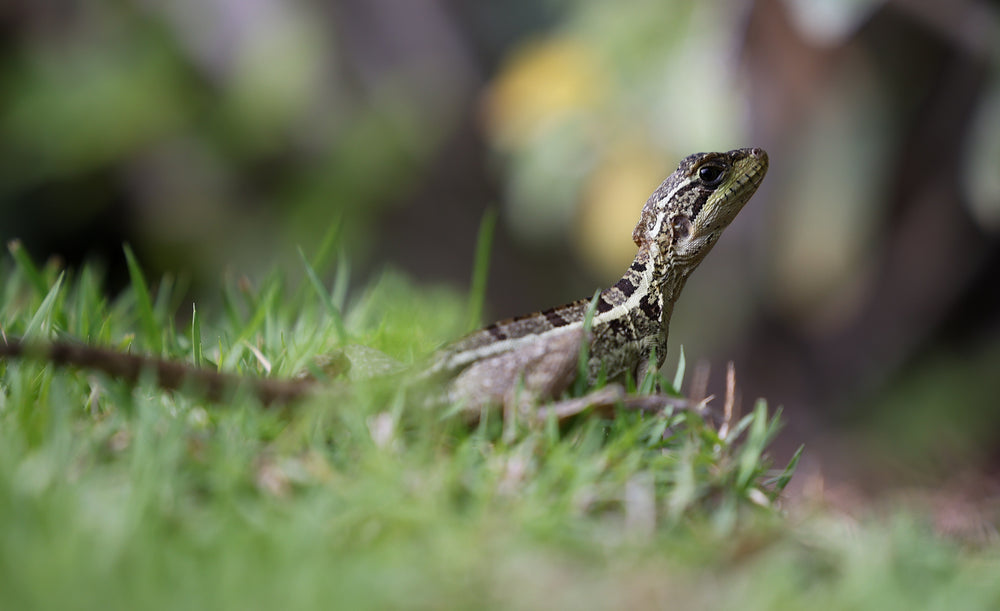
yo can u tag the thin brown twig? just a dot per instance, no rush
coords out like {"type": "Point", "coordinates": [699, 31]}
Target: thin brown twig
{"type": "Point", "coordinates": [699, 381]}
{"type": "Point", "coordinates": [727, 409]}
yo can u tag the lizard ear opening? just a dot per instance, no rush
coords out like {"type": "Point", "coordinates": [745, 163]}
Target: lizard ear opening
{"type": "Point", "coordinates": [681, 226]}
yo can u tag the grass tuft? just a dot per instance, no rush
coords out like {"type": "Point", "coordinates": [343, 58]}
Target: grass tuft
{"type": "Point", "coordinates": [121, 497]}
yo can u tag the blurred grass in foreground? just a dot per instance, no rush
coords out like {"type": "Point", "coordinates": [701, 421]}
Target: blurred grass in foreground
{"type": "Point", "coordinates": [114, 497]}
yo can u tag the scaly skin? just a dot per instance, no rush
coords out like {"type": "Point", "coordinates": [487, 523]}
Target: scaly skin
{"type": "Point", "coordinates": [535, 356]}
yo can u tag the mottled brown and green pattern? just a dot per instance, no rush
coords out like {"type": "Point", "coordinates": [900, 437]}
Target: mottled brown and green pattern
{"type": "Point", "coordinates": [533, 358]}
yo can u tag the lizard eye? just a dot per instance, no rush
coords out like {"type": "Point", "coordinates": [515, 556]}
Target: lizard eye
{"type": "Point", "coordinates": [711, 175]}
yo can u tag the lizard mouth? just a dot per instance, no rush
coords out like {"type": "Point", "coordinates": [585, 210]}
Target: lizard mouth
{"type": "Point", "coordinates": [759, 157]}
{"type": "Point", "coordinates": [755, 164]}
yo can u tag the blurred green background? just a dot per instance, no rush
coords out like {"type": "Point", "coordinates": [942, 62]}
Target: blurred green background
{"type": "Point", "coordinates": [860, 288]}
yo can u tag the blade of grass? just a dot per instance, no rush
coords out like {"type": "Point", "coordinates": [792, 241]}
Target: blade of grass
{"type": "Point", "coordinates": [89, 302]}
{"type": "Point", "coordinates": [42, 313]}
{"type": "Point", "coordinates": [264, 306]}
{"type": "Point", "coordinates": [164, 296]}
{"type": "Point", "coordinates": [330, 239]}
{"type": "Point", "coordinates": [234, 319]}
{"type": "Point", "coordinates": [481, 268]}
{"type": "Point", "coordinates": [28, 267]}
{"type": "Point", "coordinates": [143, 302]}
{"type": "Point", "coordinates": [685, 488]}
{"type": "Point", "coordinates": [583, 359]}
{"type": "Point", "coordinates": [786, 474]}
{"type": "Point", "coordinates": [196, 336]}
{"type": "Point", "coordinates": [679, 375]}
{"type": "Point", "coordinates": [754, 446]}
{"type": "Point", "coordinates": [341, 280]}
{"type": "Point", "coordinates": [325, 299]}
{"type": "Point", "coordinates": [649, 379]}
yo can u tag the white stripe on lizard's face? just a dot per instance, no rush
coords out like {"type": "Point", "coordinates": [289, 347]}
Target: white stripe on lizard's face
{"type": "Point", "coordinates": [663, 209]}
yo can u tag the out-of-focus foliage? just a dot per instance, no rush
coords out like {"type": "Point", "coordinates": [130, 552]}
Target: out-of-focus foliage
{"type": "Point", "coordinates": [209, 131]}
{"type": "Point", "coordinates": [592, 116]}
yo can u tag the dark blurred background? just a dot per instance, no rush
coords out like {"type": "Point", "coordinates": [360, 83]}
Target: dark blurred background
{"type": "Point", "coordinates": [860, 289]}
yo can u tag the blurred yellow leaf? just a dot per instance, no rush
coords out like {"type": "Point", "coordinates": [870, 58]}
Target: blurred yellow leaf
{"type": "Point", "coordinates": [613, 196]}
{"type": "Point", "coordinates": [543, 81]}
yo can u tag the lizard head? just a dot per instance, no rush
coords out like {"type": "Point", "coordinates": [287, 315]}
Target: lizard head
{"type": "Point", "coordinates": [688, 212]}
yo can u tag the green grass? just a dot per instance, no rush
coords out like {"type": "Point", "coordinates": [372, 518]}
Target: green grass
{"type": "Point", "coordinates": [119, 497]}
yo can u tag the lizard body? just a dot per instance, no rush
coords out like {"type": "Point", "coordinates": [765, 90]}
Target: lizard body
{"type": "Point", "coordinates": [535, 355]}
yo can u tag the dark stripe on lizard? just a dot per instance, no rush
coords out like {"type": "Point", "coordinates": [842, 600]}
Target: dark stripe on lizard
{"type": "Point", "coordinates": [619, 327]}
{"type": "Point", "coordinates": [699, 203]}
{"type": "Point", "coordinates": [495, 331]}
{"type": "Point", "coordinates": [650, 307]}
{"type": "Point", "coordinates": [626, 287]}
{"type": "Point", "coordinates": [554, 317]}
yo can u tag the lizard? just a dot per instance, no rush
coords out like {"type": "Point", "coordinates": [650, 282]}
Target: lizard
{"type": "Point", "coordinates": [532, 359]}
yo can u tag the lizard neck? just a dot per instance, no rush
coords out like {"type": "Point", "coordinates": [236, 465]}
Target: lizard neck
{"type": "Point", "coordinates": [633, 316]}
{"type": "Point", "coordinates": [644, 296]}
